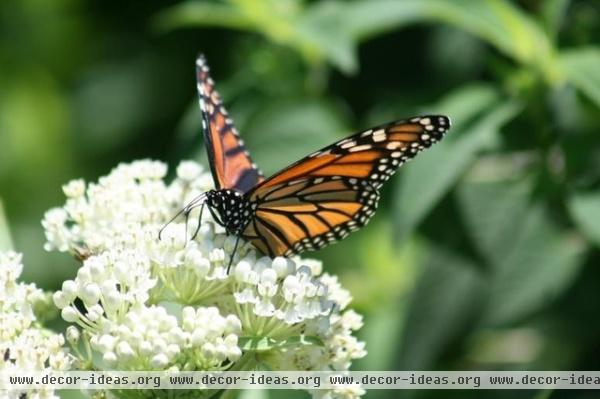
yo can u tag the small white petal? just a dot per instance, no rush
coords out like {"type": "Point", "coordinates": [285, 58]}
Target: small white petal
{"type": "Point", "coordinates": [125, 350]}
{"type": "Point", "coordinates": [159, 361]}
{"type": "Point", "coordinates": [69, 288]}
{"type": "Point", "coordinates": [69, 314]}
{"type": "Point", "coordinates": [73, 335]}
{"type": "Point", "coordinates": [91, 294]}
{"type": "Point", "coordinates": [60, 300]}
{"type": "Point", "coordinates": [110, 358]}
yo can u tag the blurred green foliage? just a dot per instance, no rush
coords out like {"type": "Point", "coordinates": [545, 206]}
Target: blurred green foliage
{"type": "Point", "coordinates": [485, 251]}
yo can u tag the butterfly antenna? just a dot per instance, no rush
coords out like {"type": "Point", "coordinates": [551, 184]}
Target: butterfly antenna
{"type": "Point", "coordinates": [187, 218]}
{"type": "Point", "coordinates": [185, 210]}
{"type": "Point", "coordinates": [333, 306]}
{"type": "Point", "coordinates": [237, 240]}
{"type": "Point", "coordinates": [169, 222]}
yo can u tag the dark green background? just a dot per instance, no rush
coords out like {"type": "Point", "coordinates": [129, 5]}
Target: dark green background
{"type": "Point", "coordinates": [484, 252]}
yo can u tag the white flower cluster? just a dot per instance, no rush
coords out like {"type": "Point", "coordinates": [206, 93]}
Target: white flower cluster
{"type": "Point", "coordinates": [24, 345]}
{"type": "Point", "coordinates": [145, 303]}
{"type": "Point", "coordinates": [151, 339]}
{"type": "Point", "coordinates": [108, 285]}
{"type": "Point", "coordinates": [339, 347]}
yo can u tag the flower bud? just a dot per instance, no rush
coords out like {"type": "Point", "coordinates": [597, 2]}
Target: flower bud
{"type": "Point", "coordinates": [234, 324]}
{"type": "Point", "coordinates": [282, 266]}
{"type": "Point", "coordinates": [73, 335]}
{"type": "Point", "coordinates": [172, 351]}
{"type": "Point", "coordinates": [208, 350]}
{"type": "Point", "coordinates": [109, 358]}
{"type": "Point", "coordinates": [124, 350]}
{"type": "Point", "coordinates": [234, 353]}
{"type": "Point", "coordinates": [94, 313]}
{"type": "Point", "coordinates": [60, 300]}
{"type": "Point", "coordinates": [106, 343]}
{"type": "Point", "coordinates": [90, 294]}
{"type": "Point", "coordinates": [69, 314]}
{"type": "Point", "coordinates": [145, 348]}
{"type": "Point", "coordinates": [69, 288]}
{"type": "Point", "coordinates": [159, 361]}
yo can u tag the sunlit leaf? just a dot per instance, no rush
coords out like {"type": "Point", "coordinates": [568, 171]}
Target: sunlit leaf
{"type": "Point", "coordinates": [202, 14]}
{"type": "Point", "coordinates": [498, 22]}
{"type": "Point", "coordinates": [321, 24]}
{"type": "Point", "coordinates": [5, 238]}
{"type": "Point", "coordinates": [253, 394]}
{"type": "Point", "coordinates": [333, 29]}
{"type": "Point", "coordinates": [582, 69]}
{"type": "Point", "coordinates": [553, 13]}
{"type": "Point", "coordinates": [262, 344]}
{"type": "Point", "coordinates": [307, 30]}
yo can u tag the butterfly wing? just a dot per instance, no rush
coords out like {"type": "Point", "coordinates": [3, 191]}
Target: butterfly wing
{"type": "Point", "coordinates": [231, 165]}
{"type": "Point", "coordinates": [332, 192]}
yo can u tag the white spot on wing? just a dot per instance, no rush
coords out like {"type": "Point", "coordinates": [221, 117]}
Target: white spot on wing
{"type": "Point", "coordinates": [360, 148]}
{"type": "Point", "coordinates": [348, 144]}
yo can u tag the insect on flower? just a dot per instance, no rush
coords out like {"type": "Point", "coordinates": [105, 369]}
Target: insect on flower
{"type": "Point", "coordinates": [315, 201]}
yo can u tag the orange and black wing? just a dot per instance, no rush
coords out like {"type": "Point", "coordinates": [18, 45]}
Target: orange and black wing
{"type": "Point", "coordinates": [231, 165]}
{"type": "Point", "coordinates": [332, 192]}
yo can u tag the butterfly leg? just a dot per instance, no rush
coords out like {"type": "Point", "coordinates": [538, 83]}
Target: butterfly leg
{"type": "Point", "coordinates": [237, 240]}
{"type": "Point", "coordinates": [187, 218]}
{"type": "Point", "coordinates": [199, 222]}
{"type": "Point", "coordinates": [186, 211]}
{"type": "Point", "coordinates": [215, 217]}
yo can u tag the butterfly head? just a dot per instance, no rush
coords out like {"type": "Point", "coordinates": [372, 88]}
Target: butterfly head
{"type": "Point", "coordinates": [229, 208]}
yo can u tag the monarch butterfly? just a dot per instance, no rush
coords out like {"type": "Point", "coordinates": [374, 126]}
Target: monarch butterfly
{"type": "Point", "coordinates": [313, 202]}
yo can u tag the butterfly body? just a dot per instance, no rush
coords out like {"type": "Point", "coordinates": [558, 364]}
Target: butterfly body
{"type": "Point", "coordinates": [230, 209]}
{"type": "Point", "coordinates": [313, 202]}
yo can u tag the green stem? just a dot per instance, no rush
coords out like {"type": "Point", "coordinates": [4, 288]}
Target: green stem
{"type": "Point", "coordinates": [544, 394]}
{"type": "Point", "coordinates": [229, 394]}
{"type": "Point", "coordinates": [5, 237]}
{"type": "Point", "coordinates": [246, 362]}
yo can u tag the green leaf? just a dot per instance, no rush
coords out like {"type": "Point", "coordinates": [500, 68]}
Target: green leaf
{"type": "Point", "coordinates": [381, 330]}
{"type": "Point", "coordinates": [5, 238]}
{"type": "Point", "coordinates": [499, 22]}
{"type": "Point", "coordinates": [582, 69]}
{"type": "Point", "coordinates": [321, 25]}
{"type": "Point", "coordinates": [257, 344]}
{"type": "Point", "coordinates": [307, 30]}
{"type": "Point", "coordinates": [332, 30]}
{"type": "Point", "coordinates": [553, 13]}
{"type": "Point", "coordinates": [585, 210]}
{"type": "Point", "coordinates": [264, 344]}
{"type": "Point", "coordinates": [426, 180]}
{"type": "Point", "coordinates": [448, 296]}
{"type": "Point", "coordinates": [202, 14]}
{"type": "Point", "coordinates": [531, 260]}
{"type": "Point", "coordinates": [44, 308]}
{"type": "Point", "coordinates": [253, 394]}
{"type": "Point", "coordinates": [284, 132]}
{"type": "Point", "coordinates": [485, 207]}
